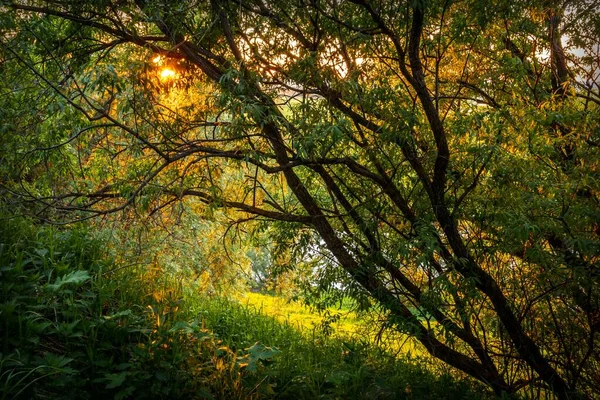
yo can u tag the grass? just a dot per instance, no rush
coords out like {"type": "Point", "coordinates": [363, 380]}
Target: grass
{"type": "Point", "coordinates": [311, 365]}
{"type": "Point", "coordinates": [341, 323]}
{"type": "Point", "coordinates": [74, 323]}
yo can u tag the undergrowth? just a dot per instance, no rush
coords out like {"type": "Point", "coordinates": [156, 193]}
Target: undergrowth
{"type": "Point", "coordinates": [75, 323]}
{"type": "Point", "coordinates": [312, 365]}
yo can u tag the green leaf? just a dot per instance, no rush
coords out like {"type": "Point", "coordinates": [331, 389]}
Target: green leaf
{"type": "Point", "coordinates": [257, 353]}
{"type": "Point", "coordinates": [120, 314]}
{"type": "Point", "coordinates": [74, 278]}
{"type": "Point", "coordinates": [115, 380]}
{"type": "Point", "coordinates": [55, 361]}
{"type": "Point", "coordinates": [125, 393]}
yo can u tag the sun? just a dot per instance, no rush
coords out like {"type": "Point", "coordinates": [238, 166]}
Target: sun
{"type": "Point", "coordinates": [164, 73]}
{"type": "Point", "coordinates": [167, 74]}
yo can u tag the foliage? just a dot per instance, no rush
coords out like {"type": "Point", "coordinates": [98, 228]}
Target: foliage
{"type": "Point", "coordinates": [75, 324]}
{"type": "Point", "coordinates": [311, 365]}
{"type": "Point", "coordinates": [437, 160]}
{"type": "Point", "coordinates": [341, 322]}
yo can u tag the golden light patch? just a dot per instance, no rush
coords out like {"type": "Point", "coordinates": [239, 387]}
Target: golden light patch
{"type": "Point", "coordinates": [167, 73]}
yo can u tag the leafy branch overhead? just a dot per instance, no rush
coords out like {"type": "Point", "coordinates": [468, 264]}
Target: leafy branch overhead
{"type": "Point", "coordinates": [443, 155]}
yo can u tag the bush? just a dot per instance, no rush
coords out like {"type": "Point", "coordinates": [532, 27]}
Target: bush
{"type": "Point", "coordinates": [76, 325]}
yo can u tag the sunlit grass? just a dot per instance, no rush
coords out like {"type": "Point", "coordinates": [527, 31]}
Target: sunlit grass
{"type": "Point", "coordinates": [311, 365]}
{"type": "Point", "coordinates": [349, 326]}
{"type": "Point", "coordinates": [298, 315]}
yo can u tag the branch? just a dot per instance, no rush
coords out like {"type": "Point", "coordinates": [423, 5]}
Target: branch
{"type": "Point", "coordinates": [279, 216]}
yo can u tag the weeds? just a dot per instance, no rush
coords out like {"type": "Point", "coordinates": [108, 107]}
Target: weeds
{"type": "Point", "coordinates": [312, 364]}
{"type": "Point", "coordinates": [70, 330]}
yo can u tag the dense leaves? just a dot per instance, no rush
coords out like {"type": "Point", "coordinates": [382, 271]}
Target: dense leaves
{"type": "Point", "coordinates": [438, 158]}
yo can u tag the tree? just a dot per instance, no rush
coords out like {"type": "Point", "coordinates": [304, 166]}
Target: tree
{"type": "Point", "coordinates": [446, 153]}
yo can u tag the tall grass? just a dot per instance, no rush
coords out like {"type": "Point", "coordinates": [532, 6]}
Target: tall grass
{"type": "Point", "coordinates": [312, 365]}
{"type": "Point", "coordinates": [339, 321]}
{"type": "Point", "coordinates": [75, 323]}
